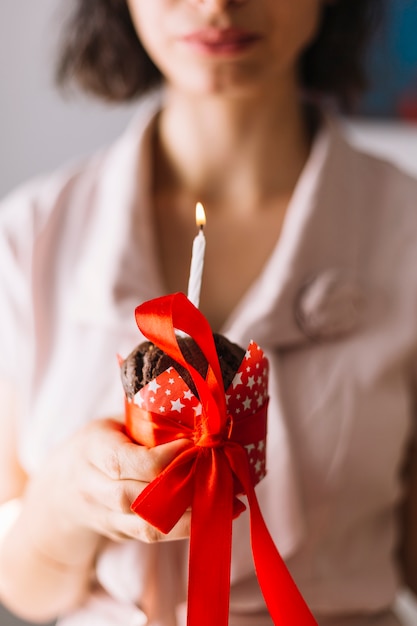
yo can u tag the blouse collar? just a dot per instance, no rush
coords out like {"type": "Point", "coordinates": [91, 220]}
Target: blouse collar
{"type": "Point", "coordinates": [309, 287]}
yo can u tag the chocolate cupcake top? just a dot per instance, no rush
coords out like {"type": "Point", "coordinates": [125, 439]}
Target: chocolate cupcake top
{"type": "Point", "coordinates": [147, 361]}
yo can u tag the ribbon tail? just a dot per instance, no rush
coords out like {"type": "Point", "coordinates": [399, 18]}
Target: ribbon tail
{"type": "Point", "coordinates": [165, 499]}
{"type": "Point", "coordinates": [285, 603]}
{"type": "Point", "coordinates": [211, 541]}
{"type": "Point", "coordinates": [283, 599]}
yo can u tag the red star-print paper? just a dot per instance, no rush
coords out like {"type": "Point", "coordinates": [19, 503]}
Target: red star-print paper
{"type": "Point", "coordinates": [169, 396]}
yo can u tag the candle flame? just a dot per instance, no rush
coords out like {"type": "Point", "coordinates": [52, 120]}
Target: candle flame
{"type": "Point", "coordinates": [200, 216]}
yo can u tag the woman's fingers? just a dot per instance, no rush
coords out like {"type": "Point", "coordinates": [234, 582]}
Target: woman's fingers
{"type": "Point", "coordinates": [134, 527]}
{"type": "Point", "coordinates": [105, 472]}
{"type": "Point", "coordinates": [115, 471]}
{"type": "Point", "coordinates": [115, 519]}
{"type": "Point", "coordinates": [114, 454]}
{"type": "Point", "coordinates": [109, 503]}
{"type": "Point", "coordinates": [114, 495]}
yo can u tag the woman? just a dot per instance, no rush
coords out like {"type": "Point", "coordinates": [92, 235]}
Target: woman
{"type": "Point", "coordinates": [304, 255]}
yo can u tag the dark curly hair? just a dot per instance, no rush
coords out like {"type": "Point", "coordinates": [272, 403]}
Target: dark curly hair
{"type": "Point", "coordinates": [100, 51]}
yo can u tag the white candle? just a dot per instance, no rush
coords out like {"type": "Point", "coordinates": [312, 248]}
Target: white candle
{"type": "Point", "coordinates": [197, 257]}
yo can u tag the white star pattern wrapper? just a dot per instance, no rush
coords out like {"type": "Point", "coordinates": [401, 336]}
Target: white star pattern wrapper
{"type": "Point", "coordinates": [169, 396]}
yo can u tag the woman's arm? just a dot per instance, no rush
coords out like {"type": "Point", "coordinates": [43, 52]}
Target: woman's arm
{"type": "Point", "coordinates": [81, 494]}
{"type": "Point", "coordinates": [13, 485]}
{"type": "Point", "coordinates": [408, 548]}
{"type": "Point", "coordinates": [39, 577]}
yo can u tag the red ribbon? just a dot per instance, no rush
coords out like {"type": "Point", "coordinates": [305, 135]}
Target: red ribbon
{"type": "Point", "coordinates": [207, 477]}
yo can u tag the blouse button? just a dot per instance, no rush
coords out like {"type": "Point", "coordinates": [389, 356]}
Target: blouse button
{"type": "Point", "coordinates": [329, 305]}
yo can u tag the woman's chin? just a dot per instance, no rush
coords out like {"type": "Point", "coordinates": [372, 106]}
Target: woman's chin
{"type": "Point", "coordinates": [227, 84]}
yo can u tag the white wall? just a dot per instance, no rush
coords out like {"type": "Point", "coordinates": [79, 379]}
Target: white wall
{"type": "Point", "coordinates": [39, 129]}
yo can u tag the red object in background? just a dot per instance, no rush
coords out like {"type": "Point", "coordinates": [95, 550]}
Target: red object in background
{"type": "Point", "coordinates": [210, 475]}
{"type": "Point", "coordinates": [407, 107]}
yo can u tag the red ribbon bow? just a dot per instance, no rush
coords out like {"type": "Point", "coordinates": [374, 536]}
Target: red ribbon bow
{"type": "Point", "coordinates": [207, 477]}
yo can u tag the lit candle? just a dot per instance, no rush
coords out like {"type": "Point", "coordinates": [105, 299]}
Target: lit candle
{"type": "Point", "coordinates": [197, 257]}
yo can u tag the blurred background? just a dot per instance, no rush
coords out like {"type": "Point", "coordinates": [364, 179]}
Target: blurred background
{"type": "Point", "coordinates": [41, 129]}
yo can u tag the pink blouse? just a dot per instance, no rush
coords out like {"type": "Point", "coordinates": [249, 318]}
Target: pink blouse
{"type": "Point", "coordinates": [335, 309]}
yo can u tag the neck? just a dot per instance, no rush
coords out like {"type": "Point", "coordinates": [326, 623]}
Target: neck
{"type": "Point", "coordinates": [232, 151]}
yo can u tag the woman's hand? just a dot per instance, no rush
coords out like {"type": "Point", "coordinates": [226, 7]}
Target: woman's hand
{"type": "Point", "coordinates": [82, 493]}
{"type": "Point", "coordinates": [90, 482]}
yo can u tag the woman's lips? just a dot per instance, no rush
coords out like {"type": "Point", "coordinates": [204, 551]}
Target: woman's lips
{"type": "Point", "coordinates": [221, 41]}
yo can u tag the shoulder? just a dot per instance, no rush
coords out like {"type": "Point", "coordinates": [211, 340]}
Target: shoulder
{"type": "Point", "coordinates": [31, 204]}
{"type": "Point", "coordinates": [375, 173]}
{"type": "Point", "coordinates": [48, 201]}
{"type": "Point", "coordinates": [384, 202]}
{"type": "Point", "coordinates": [382, 194]}
{"type": "Point", "coordinates": [370, 221]}
{"type": "Point", "coordinates": [386, 181]}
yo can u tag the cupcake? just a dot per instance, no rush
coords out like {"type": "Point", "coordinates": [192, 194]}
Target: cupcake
{"type": "Point", "coordinates": [185, 381]}
{"type": "Point", "coordinates": [147, 361]}
{"type": "Point", "coordinates": [200, 386]}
